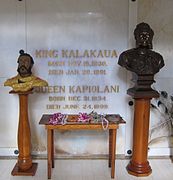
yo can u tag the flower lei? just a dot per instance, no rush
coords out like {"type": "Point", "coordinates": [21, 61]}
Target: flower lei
{"type": "Point", "coordinates": [84, 117]}
{"type": "Point", "coordinates": [94, 117]}
{"type": "Point", "coordinates": [58, 118]}
{"type": "Point", "coordinates": [98, 117]}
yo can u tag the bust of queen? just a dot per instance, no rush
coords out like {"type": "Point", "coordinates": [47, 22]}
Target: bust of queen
{"type": "Point", "coordinates": [142, 61]}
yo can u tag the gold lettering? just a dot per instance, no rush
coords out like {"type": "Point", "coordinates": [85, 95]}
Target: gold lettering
{"type": "Point", "coordinates": [46, 53]}
{"type": "Point", "coordinates": [107, 53]}
{"type": "Point", "coordinates": [38, 53]}
{"type": "Point", "coordinates": [64, 53]}
{"type": "Point", "coordinates": [100, 54]}
{"type": "Point", "coordinates": [106, 90]}
{"type": "Point", "coordinates": [92, 53]}
{"type": "Point", "coordinates": [114, 54]}
{"type": "Point", "coordinates": [111, 89]}
{"type": "Point", "coordinates": [59, 89]}
{"type": "Point", "coordinates": [71, 106]}
{"type": "Point", "coordinates": [53, 106]}
{"type": "Point", "coordinates": [74, 98]}
{"type": "Point", "coordinates": [94, 89]}
{"type": "Point", "coordinates": [86, 54]}
{"type": "Point", "coordinates": [72, 54]}
{"type": "Point", "coordinates": [50, 89]}
{"type": "Point", "coordinates": [52, 53]}
{"type": "Point", "coordinates": [56, 98]}
{"type": "Point", "coordinates": [56, 63]}
{"type": "Point", "coordinates": [56, 72]}
{"type": "Point", "coordinates": [76, 53]}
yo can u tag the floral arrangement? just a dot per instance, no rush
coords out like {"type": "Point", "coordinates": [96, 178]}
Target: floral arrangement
{"type": "Point", "coordinates": [92, 117]}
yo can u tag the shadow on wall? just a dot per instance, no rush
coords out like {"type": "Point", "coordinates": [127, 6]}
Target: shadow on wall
{"type": "Point", "coordinates": [161, 123]}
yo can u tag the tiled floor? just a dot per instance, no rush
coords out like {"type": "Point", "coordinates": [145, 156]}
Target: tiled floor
{"type": "Point", "coordinates": [88, 170]}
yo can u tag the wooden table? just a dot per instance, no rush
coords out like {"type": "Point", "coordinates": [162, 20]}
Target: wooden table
{"type": "Point", "coordinates": [112, 127]}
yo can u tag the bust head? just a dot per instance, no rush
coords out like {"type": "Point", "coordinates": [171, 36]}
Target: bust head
{"type": "Point", "coordinates": [25, 63]}
{"type": "Point", "coordinates": [143, 35]}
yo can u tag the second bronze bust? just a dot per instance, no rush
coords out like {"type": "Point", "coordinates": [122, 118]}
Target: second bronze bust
{"type": "Point", "coordinates": [142, 60]}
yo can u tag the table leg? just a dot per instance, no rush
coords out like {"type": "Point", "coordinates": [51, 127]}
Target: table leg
{"type": "Point", "coordinates": [113, 151]}
{"type": "Point", "coordinates": [53, 163]}
{"type": "Point", "coordinates": [110, 146]}
{"type": "Point", "coordinates": [49, 152]}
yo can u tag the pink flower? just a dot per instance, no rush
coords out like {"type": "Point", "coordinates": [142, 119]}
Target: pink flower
{"type": "Point", "coordinates": [58, 118]}
{"type": "Point", "coordinates": [84, 117]}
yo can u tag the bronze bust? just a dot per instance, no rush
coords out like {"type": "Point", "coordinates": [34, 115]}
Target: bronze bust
{"type": "Point", "coordinates": [25, 63]}
{"type": "Point", "coordinates": [24, 80]}
{"type": "Point", "coordinates": [142, 61]}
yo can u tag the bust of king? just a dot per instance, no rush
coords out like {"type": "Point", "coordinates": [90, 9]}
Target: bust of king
{"type": "Point", "coordinates": [24, 80]}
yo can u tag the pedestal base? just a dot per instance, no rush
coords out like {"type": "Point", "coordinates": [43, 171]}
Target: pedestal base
{"type": "Point", "coordinates": [139, 170]}
{"type": "Point", "coordinates": [30, 172]}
